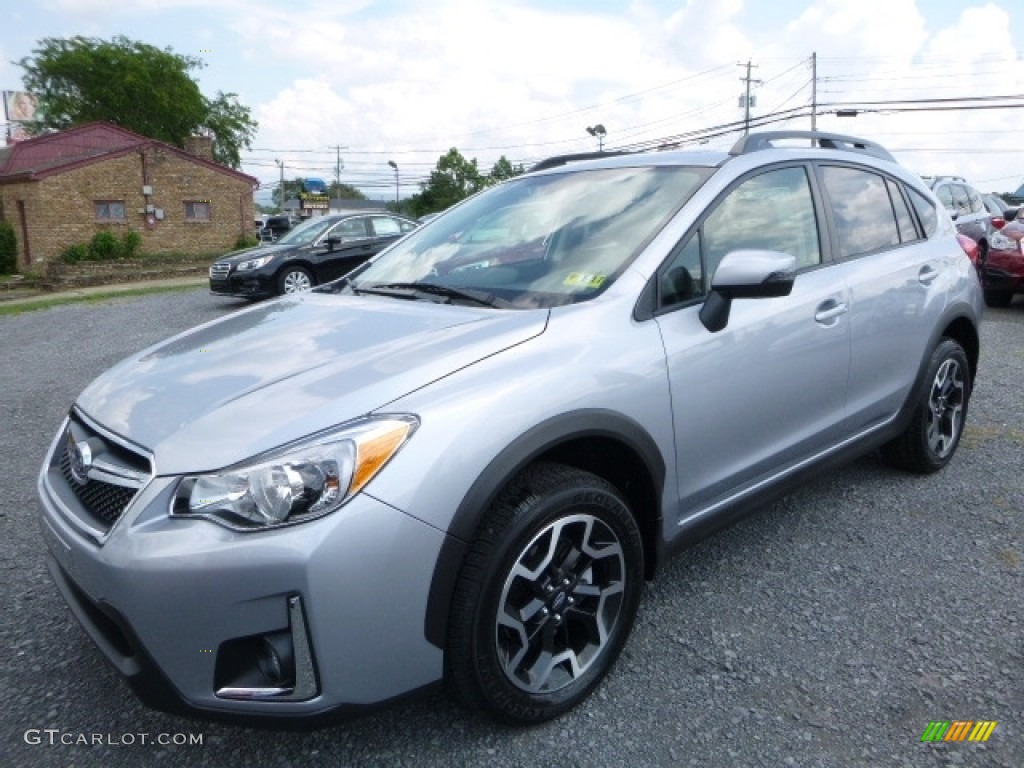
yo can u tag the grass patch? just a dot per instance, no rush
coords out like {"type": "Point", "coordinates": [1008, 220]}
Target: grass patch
{"type": "Point", "coordinates": [93, 297]}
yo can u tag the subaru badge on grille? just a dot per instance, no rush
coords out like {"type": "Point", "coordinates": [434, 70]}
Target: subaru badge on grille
{"type": "Point", "coordinates": [80, 459]}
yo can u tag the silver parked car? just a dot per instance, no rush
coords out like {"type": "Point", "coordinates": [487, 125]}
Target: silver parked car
{"type": "Point", "coordinates": [461, 461]}
{"type": "Point", "coordinates": [966, 207]}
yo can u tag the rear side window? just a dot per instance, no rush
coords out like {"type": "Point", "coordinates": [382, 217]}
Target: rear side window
{"type": "Point", "coordinates": [904, 220]}
{"type": "Point", "coordinates": [862, 209]}
{"type": "Point", "coordinates": [926, 212]}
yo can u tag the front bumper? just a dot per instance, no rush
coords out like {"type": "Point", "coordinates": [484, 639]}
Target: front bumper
{"type": "Point", "coordinates": [249, 285]}
{"type": "Point", "coordinates": [177, 604]}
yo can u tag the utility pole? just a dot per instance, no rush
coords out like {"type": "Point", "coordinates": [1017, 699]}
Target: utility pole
{"type": "Point", "coordinates": [338, 164]}
{"type": "Point", "coordinates": [280, 164]}
{"type": "Point", "coordinates": [746, 98]}
{"type": "Point", "coordinates": [814, 91]}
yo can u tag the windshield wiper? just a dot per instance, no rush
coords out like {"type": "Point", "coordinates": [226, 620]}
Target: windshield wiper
{"type": "Point", "coordinates": [416, 289]}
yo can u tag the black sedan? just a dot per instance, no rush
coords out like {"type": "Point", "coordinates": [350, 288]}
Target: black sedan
{"type": "Point", "coordinates": [317, 251]}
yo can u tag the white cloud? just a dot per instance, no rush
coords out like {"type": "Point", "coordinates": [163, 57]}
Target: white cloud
{"type": "Point", "coordinates": [524, 79]}
{"type": "Point", "coordinates": [885, 28]}
{"type": "Point", "coordinates": [93, 8]}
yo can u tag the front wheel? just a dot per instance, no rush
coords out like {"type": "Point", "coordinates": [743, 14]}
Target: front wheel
{"type": "Point", "coordinates": [930, 440]}
{"type": "Point", "coordinates": [546, 597]}
{"type": "Point", "coordinates": [294, 280]}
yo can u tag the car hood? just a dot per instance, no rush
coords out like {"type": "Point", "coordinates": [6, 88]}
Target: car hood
{"type": "Point", "coordinates": [263, 377]}
{"type": "Point", "coordinates": [255, 252]}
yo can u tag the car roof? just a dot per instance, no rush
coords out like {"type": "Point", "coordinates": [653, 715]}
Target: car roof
{"type": "Point", "coordinates": [817, 141]}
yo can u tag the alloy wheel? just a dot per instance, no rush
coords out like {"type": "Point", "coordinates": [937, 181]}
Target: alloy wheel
{"type": "Point", "coordinates": [560, 604]}
{"type": "Point", "coordinates": [945, 408]}
{"type": "Point", "coordinates": [296, 281]}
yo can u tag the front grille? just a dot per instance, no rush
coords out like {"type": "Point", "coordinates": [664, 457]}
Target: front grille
{"type": "Point", "coordinates": [220, 270]}
{"type": "Point", "coordinates": [105, 502]}
{"type": "Point", "coordinates": [102, 474]}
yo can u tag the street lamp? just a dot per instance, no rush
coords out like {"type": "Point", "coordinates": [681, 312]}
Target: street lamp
{"type": "Point", "coordinates": [395, 166]}
{"type": "Point", "coordinates": [598, 132]}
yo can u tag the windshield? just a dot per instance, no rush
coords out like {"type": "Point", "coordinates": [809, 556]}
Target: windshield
{"type": "Point", "coordinates": [539, 241]}
{"type": "Point", "coordinates": [307, 231]}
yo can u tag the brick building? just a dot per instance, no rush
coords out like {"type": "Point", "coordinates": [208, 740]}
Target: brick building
{"type": "Point", "coordinates": [62, 188]}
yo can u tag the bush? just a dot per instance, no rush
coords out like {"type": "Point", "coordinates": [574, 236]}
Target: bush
{"type": "Point", "coordinates": [104, 246]}
{"type": "Point", "coordinates": [245, 241]}
{"type": "Point", "coordinates": [8, 249]}
{"type": "Point", "coordinates": [75, 253]}
{"type": "Point", "coordinates": [130, 242]}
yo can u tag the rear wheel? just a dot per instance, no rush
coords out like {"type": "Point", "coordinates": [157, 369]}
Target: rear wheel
{"type": "Point", "coordinates": [930, 440]}
{"type": "Point", "coordinates": [547, 595]}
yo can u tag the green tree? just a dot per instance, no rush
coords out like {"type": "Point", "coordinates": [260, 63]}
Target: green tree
{"type": "Point", "coordinates": [133, 85]}
{"type": "Point", "coordinates": [231, 126]}
{"type": "Point", "coordinates": [502, 170]}
{"type": "Point", "coordinates": [453, 179]}
{"type": "Point", "coordinates": [344, 191]}
{"type": "Point", "coordinates": [292, 187]}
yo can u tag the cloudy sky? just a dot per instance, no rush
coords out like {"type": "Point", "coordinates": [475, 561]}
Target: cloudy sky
{"type": "Point", "coordinates": [404, 81]}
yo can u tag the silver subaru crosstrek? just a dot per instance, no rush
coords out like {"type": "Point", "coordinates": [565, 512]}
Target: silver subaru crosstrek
{"type": "Point", "coordinates": [460, 462]}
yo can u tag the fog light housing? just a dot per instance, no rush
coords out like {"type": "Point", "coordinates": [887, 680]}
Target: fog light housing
{"type": "Point", "coordinates": [276, 665]}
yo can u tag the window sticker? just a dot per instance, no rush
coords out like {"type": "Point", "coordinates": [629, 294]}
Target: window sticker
{"type": "Point", "coordinates": [584, 280]}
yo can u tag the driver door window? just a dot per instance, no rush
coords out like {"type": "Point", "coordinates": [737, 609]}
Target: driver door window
{"type": "Point", "coordinates": [350, 230]}
{"type": "Point", "coordinates": [772, 211]}
{"type": "Point", "coordinates": [961, 201]}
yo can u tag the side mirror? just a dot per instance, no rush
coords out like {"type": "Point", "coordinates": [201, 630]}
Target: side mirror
{"type": "Point", "coordinates": [746, 274]}
{"type": "Point", "coordinates": [332, 241]}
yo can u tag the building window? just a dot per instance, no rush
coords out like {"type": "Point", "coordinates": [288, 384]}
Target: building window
{"type": "Point", "coordinates": [110, 210]}
{"type": "Point", "coordinates": [197, 210]}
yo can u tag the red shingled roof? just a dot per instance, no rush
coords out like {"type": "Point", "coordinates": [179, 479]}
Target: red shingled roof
{"type": "Point", "coordinates": [58, 152]}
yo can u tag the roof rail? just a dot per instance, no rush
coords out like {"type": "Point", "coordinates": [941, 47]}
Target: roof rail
{"type": "Point", "coordinates": [554, 162]}
{"type": "Point", "coordinates": [755, 141]}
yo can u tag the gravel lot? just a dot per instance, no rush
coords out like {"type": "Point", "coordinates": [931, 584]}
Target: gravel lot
{"type": "Point", "coordinates": [828, 630]}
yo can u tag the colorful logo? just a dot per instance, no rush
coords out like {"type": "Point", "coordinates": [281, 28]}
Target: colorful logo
{"type": "Point", "coordinates": [958, 730]}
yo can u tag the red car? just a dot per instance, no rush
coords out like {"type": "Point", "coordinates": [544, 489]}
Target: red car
{"type": "Point", "coordinates": [1002, 271]}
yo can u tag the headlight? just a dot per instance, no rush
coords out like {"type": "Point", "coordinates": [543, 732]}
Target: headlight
{"type": "Point", "coordinates": [299, 482]}
{"type": "Point", "coordinates": [251, 264]}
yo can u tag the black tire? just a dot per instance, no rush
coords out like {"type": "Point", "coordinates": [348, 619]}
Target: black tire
{"type": "Point", "coordinates": [931, 438]}
{"type": "Point", "coordinates": [294, 279]}
{"type": "Point", "coordinates": [998, 299]}
{"type": "Point", "coordinates": [556, 570]}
